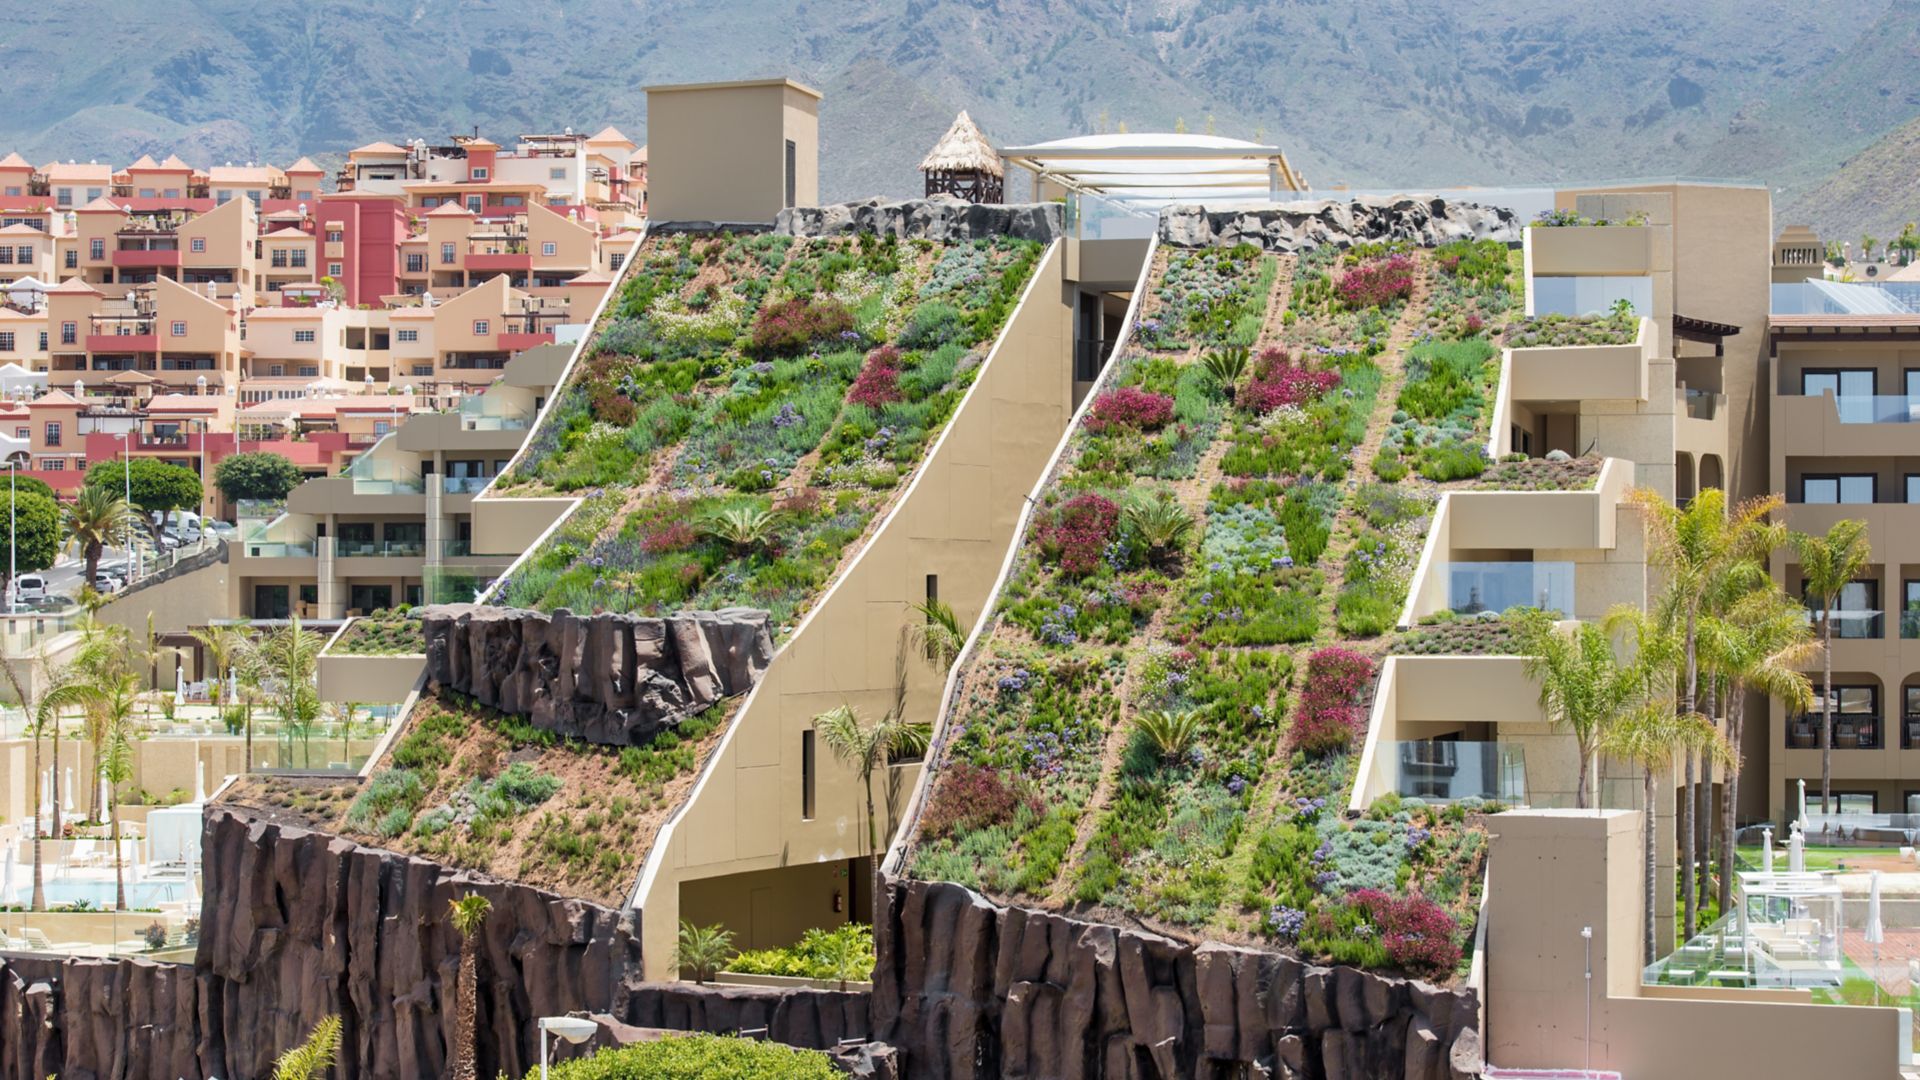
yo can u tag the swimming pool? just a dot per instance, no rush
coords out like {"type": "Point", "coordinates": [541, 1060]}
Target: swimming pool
{"type": "Point", "coordinates": [140, 894]}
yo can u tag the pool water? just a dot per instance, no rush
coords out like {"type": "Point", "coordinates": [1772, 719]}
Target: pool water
{"type": "Point", "coordinates": [140, 894]}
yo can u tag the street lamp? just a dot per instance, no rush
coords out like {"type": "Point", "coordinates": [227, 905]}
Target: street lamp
{"type": "Point", "coordinates": [13, 537]}
{"type": "Point", "coordinates": [574, 1029]}
{"type": "Point", "coordinates": [126, 473]}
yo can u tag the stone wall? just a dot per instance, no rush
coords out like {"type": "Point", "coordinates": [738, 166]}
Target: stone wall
{"type": "Point", "coordinates": [967, 988]}
{"type": "Point", "coordinates": [938, 217]}
{"type": "Point", "coordinates": [1426, 221]}
{"type": "Point", "coordinates": [610, 679]}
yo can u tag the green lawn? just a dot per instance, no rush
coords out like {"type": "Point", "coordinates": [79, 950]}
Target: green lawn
{"type": "Point", "coordinates": [1818, 858]}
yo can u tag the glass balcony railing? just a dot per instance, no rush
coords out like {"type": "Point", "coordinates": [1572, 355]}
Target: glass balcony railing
{"type": "Point", "coordinates": [1590, 295]}
{"type": "Point", "coordinates": [397, 485]}
{"type": "Point", "coordinates": [456, 549]}
{"type": "Point", "coordinates": [1877, 408]}
{"type": "Point", "coordinates": [279, 549]}
{"type": "Point", "coordinates": [1851, 624]}
{"type": "Point", "coordinates": [380, 548]}
{"type": "Point", "coordinates": [1442, 770]}
{"type": "Point", "coordinates": [464, 485]}
{"type": "Point", "coordinates": [1474, 587]}
{"type": "Point", "coordinates": [1849, 732]}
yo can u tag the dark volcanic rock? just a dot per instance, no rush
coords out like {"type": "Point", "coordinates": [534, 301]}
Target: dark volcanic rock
{"type": "Point", "coordinates": [937, 217]}
{"type": "Point", "coordinates": [1425, 220]}
{"type": "Point", "coordinates": [611, 679]}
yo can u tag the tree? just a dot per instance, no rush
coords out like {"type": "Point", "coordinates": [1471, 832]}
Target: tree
{"type": "Point", "coordinates": [936, 633]}
{"type": "Point", "coordinates": [1829, 564]}
{"type": "Point", "coordinates": [117, 701]}
{"type": "Point", "coordinates": [866, 746]}
{"type": "Point", "coordinates": [158, 489]}
{"type": "Point", "coordinates": [288, 658]}
{"type": "Point", "coordinates": [1762, 642]}
{"type": "Point", "coordinates": [1583, 686]}
{"type": "Point", "coordinates": [32, 532]}
{"type": "Point", "coordinates": [98, 518]}
{"type": "Point", "coordinates": [27, 485]}
{"type": "Point", "coordinates": [469, 916]}
{"type": "Point", "coordinates": [702, 950]}
{"type": "Point", "coordinates": [1868, 242]}
{"type": "Point", "coordinates": [102, 658]}
{"type": "Point", "coordinates": [1907, 242]}
{"type": "Point", "coordinates": [311, 1059]}
{"type": "Point", "coordinates": [1170, 733]}
{"type": "Point", "coordinates": [256, 474]}
{"type": "Point", "coordinates": [40, 716]}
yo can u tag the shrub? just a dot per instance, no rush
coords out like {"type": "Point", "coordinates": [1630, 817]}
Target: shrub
{"type": "Point", "coordinates": [1416, 933]}
{"type": "Point", "coordinates": [969, 798]}
{"type": "Point", "coordinates": [788, 327]}
{"type": "Point", "coordinates": [1330, 715]}
{"type": "Point", "coordinates": [879, 380]}
{"type": "Point", "coordinates": [845, 953]}
{"type": "Point", "coordinates": [1078, 532]}
{"type": "Point", "coordinates": [1129, 407]}
{"type": "Point", "coordinates": [699, 1057]}
{"type": "Point", "coordinates": [1377, 283]}
{"type": "Point", "coordinates": [1278, 381]}
{"type": "Point", "coordinates": [933, 324]}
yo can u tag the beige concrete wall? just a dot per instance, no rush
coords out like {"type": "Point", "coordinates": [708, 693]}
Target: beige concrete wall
{"type": "Point", "coordinates": [717, 151]}
{"type": "Point", "coordinates": [1582, 520]}
{"type": "Point", "coordinates": [955, 521]}
{"type": "Point", "coordinates": [1592, 250]}
{"type": "Point", "coordinates": [178, 603]}
{"type": "Point", "coordinates": [1583, 372]}
{"type": "Point", "coordinates": [510, 526]}
{"type": "Point", "coordinates": [1553, 873]}
{"type": "Point", "coordinates": [383, 680]}
{"type": "Point", "coordinates": [768, 909]}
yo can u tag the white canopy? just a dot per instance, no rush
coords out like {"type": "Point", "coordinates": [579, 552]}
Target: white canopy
{"type": "Point", "coordinates": [1153, 170]}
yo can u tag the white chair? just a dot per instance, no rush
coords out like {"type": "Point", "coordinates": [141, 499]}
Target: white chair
{"type": "Point", "coordinates": [38, 942]}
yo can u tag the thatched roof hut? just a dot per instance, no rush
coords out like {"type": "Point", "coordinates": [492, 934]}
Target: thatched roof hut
{"type": "Point", "coordinates": [965, 164]}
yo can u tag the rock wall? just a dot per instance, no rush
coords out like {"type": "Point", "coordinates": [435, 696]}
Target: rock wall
{"type": "Point", "coordinates": [84, 1018]}
{"type": "Point", "coordinates": [610, 679]}
{"type": "Point", "coordinates": [1288, 227]}
{"type": "Point", "coordinates": [966, 988]}
{"type": "Point", "coordinates": [938, 217]}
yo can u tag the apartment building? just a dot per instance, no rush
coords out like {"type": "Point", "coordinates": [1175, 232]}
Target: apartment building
{"type": "Point", "coordinates": [605, 171]}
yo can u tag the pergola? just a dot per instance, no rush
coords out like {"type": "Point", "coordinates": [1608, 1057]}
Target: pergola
{"type": "Point", "coordinates": [1147, 171]}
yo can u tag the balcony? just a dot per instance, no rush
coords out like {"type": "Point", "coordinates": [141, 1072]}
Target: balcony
{"type": "Point", "coordinates": [1475, 587]}
{"type": "Point", "coordinates": [380, 549]}
{"type": "Point", "coordinates": [1583, 372]}
{"type": "Point", "coordinates": [146, 258]}
{"type": "Point", "coordinates": [499, 262]}
{"type": "Point", "coordinates": [1446, 770]}
{"type": "Point", "coordinates": [279, 549]}
{"type": "Point", "coordinates": [1849, 732]}
{"type": "Point", "coordinates": [464, 485]}
{"type": "Point", "coordinates": [1590, 250]}
{"type": "Point", "coordinates": [520, 342]}
{"type": "Point", "coordinates": [123, 343]}
{"type": "Point", "coordinates": [1854, 424]}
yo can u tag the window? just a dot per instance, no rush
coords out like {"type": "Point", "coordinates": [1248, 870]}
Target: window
{"type": "Point", "coordinates": [616, 259]}
{"type": "Point", "coordinates": [69, 333]}
{"type": "Point", "coordinates": [299, 257]}
{"type": "Point", "coordinates": [479, 172]}
{"type": "Point", "coordinates": [1856, 614]}
{"type": "Point", "coordinates": [1831, 488]}
{"type": "Point", "coordinates": [428, 202]}
{"type": "Point", "coordinates": [513, 200]}
{"type": "Point", "coordinates": [97, 248]}
{"type": "Point", "coordinates": [94, 193]}
{"type": "Point", "coordinates": [222, 197]}
{"type": "Point", "coordinates": [63, 196]}
{"type": "Point", "coordinates": [6, 341]}
{"type": "Point", "coordinates": [26, 253]}
{"type": "Point", "coordinates": [309, 370]}
{"type": "Point", "coordinates": [303, 336]}
{"type": "Point", "coordinates": [43, 341]}
{"type": "Point", "coordinates": [199, 245]}
{"type": "Point", "coordinates": [53, 433]}
{"type": "Point", "coordinates": [1910, 609]}
{"type": "Point", "coordinates": [406, 335]}
{"type": "Point", "coordinates": [6, 255]}
{"type": "Point", "coordinates": [446, 254]}
{"type": "Point", "coordinates": [806, 775]}
{"type": "Point", "coordinates": [179, 328]}
{"type": "Point", "coordinates": [793, 172]}
{"type": "Point", "coordinates": [53, 464]}
{"type": "Point", "coordinates": [1913, 487]}
{"type": "Point", "coordinates": [147, 193]}
{"type": "Point", "coordinates": [303, 196]}
{"type": "Point", "coordinates": [1854, 802]}
{"type": "Point", "coordinates": [480, 327]}
{"type": "Point", "coordinates": [416, 264]}
{"type": "Point", "coordinates": [23, 432]}
{"type": "Point", "coordinates": [73, 259]}
{"type": "Point", "coordinates": [171, 193]}
{"type": "Point", "coordinates": [276, 370]}
{"type": "Point", "coordinates": [1910, 718]}
{"type": "Point", "coordinates": [557, 172]}
{"type": "Point", "coordinates": [476, 204]}
{"type": "Point", "coordinates": [380, 427]}
{"type": "Point", "coordinates": [15, 189]}
{"type": "Point", "coordinates": [333, 270]}
{"type": "Point", "coordinates": [1856, 720]}
{"type": "Point", "coordinates": [1852, 388]}
{"type": "Point", "coordinates": [278, 257]}
{"type": "Point", "coordinates": [549, 248]}
{"type": "Point", "coordinates": [254, 196]}
{"type": "Point", "coordinates": [336, 236]}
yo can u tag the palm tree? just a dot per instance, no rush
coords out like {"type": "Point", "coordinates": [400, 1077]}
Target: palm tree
{"type": "Point", "coordinates": [311, 1059]}
{"type": "Point", "coordinates": [866, 746]}
{"type": "Point", "coordinates": [1225, 366]}
{"type": "Point", "coordinates": [743, 527]}
{"type": "Point", "coordinates": [98, 518]}
{"type": "Point", "coordinates": [41, 714]}
{"type": "Point", "coordinates": [1583, 686]}
{"type": "Point", "coordinates": [223, 644]}
{"type": "Point", "coordinates": [702, 950]}
{"type": "Point", "coordinates": [290, 656]}
{"type": "Point", "coordinates": [469, 915]}
{"type": "Point", "coordinates": [936, 633]}
{"type": "Point", "coordinates": [1829, 564]}
{"type": "Point", "coordinates": [102, 657]}
{"type": "Point", "coordinates": [1761, 643]}
{"type": "Point", "coordinates": [1650, 736]}
{"type": "Point", "coordinates": [1699, 548]}
{"type": "Point", "coordinates": [1170, 733]}
{"type": "Point", "coordinates": [1159, 520]}
{"type": "Point", "coordinates": [111, 698]}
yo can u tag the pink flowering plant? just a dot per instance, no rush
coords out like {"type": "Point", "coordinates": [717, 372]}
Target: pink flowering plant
{"type": "Point", "coordinates": [1377, 283]}
{"type": "Point", "coordinates": [1129, 407]}
{"type": "Point", "coordinates": [1332, 712]}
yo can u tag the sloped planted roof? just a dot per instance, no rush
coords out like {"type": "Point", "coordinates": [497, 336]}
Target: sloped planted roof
{"type": "Point", "coordinates": [964, 148]}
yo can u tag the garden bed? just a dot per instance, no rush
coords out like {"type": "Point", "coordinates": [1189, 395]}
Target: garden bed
{"type": "Point", "coordinates": [384, 633]}
{"type": "Point", "coordinates": [1563, 331]}
{"type": "Point", "coordinates": [1541, 474]}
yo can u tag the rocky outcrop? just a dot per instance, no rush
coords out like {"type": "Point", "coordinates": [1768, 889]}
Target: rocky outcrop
{"type": "Point", "coordinates": [967, 988]}
{"type": "Point", "coordinates": [610, 679]}
{"type": "Point", "coordinates": [97, 1018]}
{"type": "Point", "coordinates": [937, 217]}
{"type": "Point", "coordinates": [1425, 220]}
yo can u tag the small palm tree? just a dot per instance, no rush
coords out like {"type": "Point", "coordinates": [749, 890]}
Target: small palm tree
{"type": "Point", "coordinates": [1829, 564]}
{"type": "Point", "coordinates": [1583, 686]}
{"type": "Point", "coordinates": [935, 632]}
{"type": "Point", "coordinates": [702, 950]}
{"type": "Point", "coordinates": [469, 917]}
{"type": "Point", "coordinates": [1159, 520]}
{"type": "Point", "coordinates": [1225, 366]}
{"type": "Point", "coordinates": [743, 527]}
{"type": "Point", "coordinates": [867, 746]}
{"type": "Point", "coordinates": [98, 518]}
{"type": "Point", "coordinates": [290, 656]}
{"type": "Point", "coordinates": [1170, 733]}
{"type": "Point", "coordinates": [311, 1059]}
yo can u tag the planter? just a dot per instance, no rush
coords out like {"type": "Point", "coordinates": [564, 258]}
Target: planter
{"type": "Point", "coordinates": [736, 978]}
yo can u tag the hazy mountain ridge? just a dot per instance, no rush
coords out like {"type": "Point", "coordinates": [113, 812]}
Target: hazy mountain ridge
{"type": "Point", "coordinates": [1457, 91]}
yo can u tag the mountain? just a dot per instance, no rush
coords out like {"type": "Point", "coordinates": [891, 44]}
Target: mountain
{"type": "Point", "coordinates": [1388, 92]}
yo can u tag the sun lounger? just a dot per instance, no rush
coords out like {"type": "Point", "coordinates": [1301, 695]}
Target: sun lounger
{"type": "Point", "coordinates": [39, 942]}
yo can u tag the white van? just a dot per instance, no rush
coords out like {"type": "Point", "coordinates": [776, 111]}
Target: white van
{"type": "Point", "coordinates": [186, 525]}
{"type": "Point", "coordinates": [29, 588]}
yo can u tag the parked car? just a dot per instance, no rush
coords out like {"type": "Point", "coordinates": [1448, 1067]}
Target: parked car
{"type": "Point", "coordinates": [29, 588]}
{"type": "Point", "coordinates": [104, 582]}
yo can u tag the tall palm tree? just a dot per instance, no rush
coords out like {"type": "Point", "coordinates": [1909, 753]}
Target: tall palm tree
{"type": "Point", "coordinates": [110, 697]}
{"type": "Point", "coordinates": [469, 916]}
{"type": "Point", "coordinates": [1829, 564]}
{"type": "Point", "coordinates": [40, 715]}
{"type": "Point", "coordinates": [1649, 737]}
{"type": "Point", "coordinates": [98, 518]}
{"type": "Point", "coordinates": [1583, 685]}
{"type": "Point", "coordinates": [935, 632]}
{"type": "Point", "coordinates": [867, 746]}
{"type": "Point", "coordinates": [223, 644]}
{"type": "Point", "coordinates": [290, 656]}
{"type": "Point", "coordinates": [1762, 643]}
{"type": "Point", "coordinates": [103, 655]}
{"type": "Point", "coordinates": [1696, 547]}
